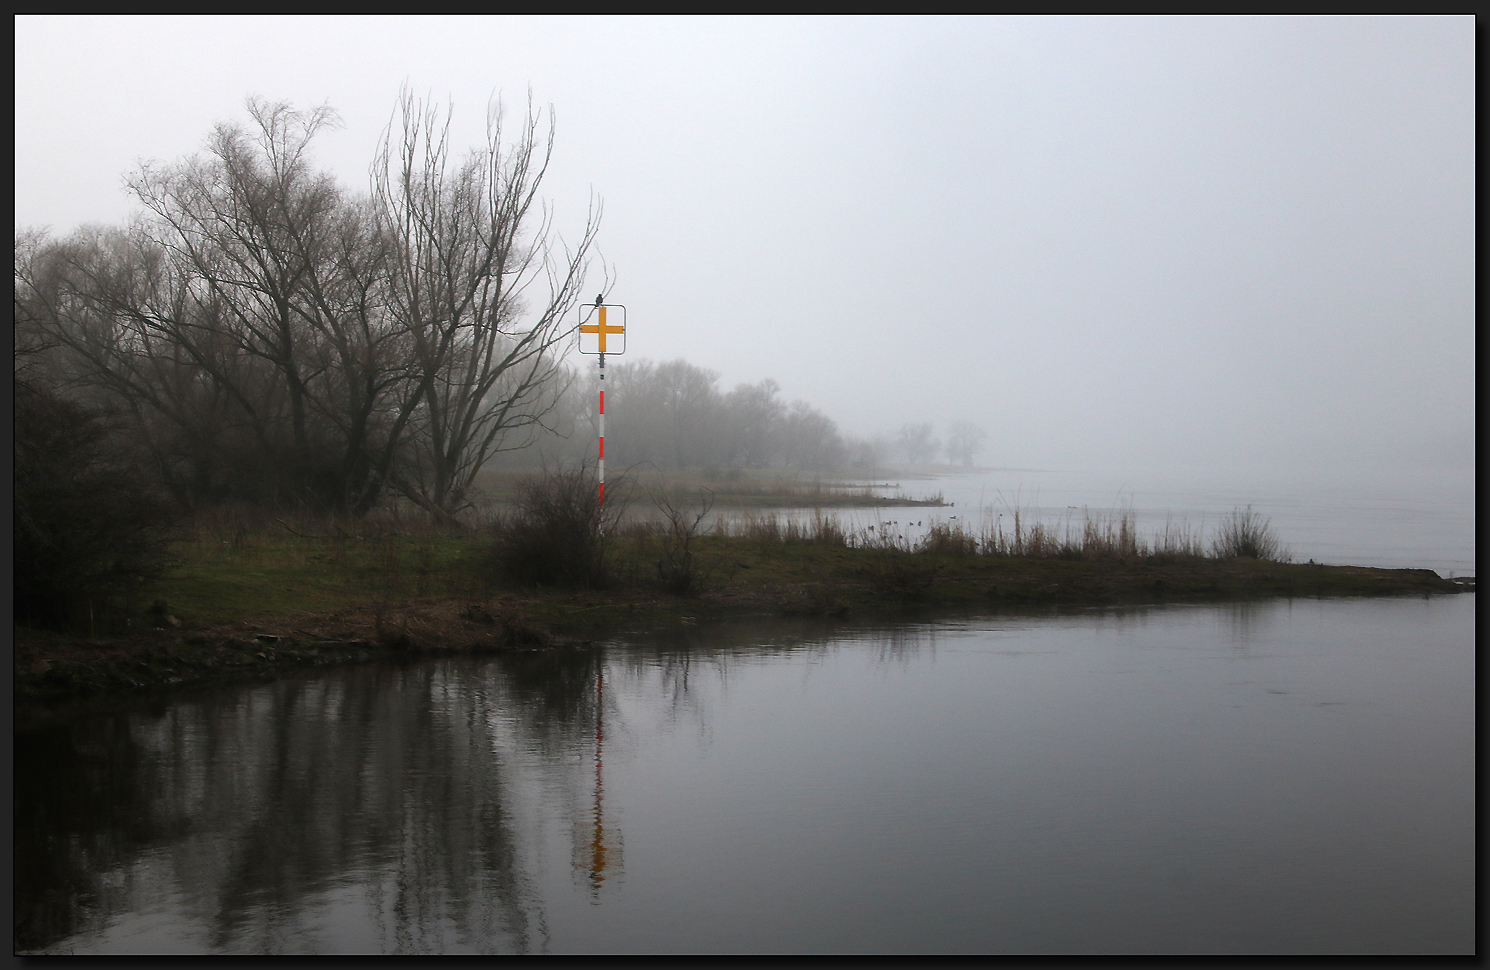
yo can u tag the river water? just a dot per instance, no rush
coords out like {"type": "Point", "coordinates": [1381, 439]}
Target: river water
{"type": "Point", "coordinates": [1282, 776]}
{"type": "Point", "coordinates": [1397, 522]}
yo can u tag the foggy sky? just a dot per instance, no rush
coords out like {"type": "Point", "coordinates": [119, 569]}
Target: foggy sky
{"type": "Point", "coordinates": [1223, 246]}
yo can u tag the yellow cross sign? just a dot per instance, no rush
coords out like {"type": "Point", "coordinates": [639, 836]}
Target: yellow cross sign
{"type": "Point", "coordinates": [603, 329]}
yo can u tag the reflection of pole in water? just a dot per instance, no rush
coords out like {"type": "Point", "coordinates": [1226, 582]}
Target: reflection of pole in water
{"type": "Point", "coordinates": [597, 849]}
{"type": "Point", "coordinates": [597, 843]}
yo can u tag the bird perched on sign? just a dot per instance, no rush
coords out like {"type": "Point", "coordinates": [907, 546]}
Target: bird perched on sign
{"type": "Point", "coordinates": [600, 299]}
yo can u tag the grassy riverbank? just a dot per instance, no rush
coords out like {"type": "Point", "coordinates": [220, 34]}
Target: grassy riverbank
{"type": "Point", "coordinates": [251, 601]}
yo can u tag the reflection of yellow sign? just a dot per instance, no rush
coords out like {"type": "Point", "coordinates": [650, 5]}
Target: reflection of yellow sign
{"type": "Point", "coordinates": [604, 848]}
{"type": "Point", "coordinates": [602, 328]}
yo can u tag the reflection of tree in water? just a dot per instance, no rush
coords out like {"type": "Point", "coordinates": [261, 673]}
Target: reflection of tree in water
{"type": "Point", "coordinates": [1247, 619]}
{"type": "Point", "coordinates": [671, 662]}
{"type": "Point", "coordinates": [565, 697]}
{"type": "Point", "coordinates": [559, 698]}
{"type": "Point", "coordinates": [552, 691]}
{"type": "Point", "coordinates": [383, 773]}
{"type": "Point", "coordinates": [375, 787]}
{"type": "Point", "coordinates": [902, 644]}
{"type": "Point", "coordinates": [373, 808]}
{"type": "Point", "coordinates": [80, 801]}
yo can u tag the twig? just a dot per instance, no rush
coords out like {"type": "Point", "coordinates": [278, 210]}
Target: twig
{"type": "Point", "coordinates": [342, 535]}
{"type": "Point", "coordinates": [300, 534]}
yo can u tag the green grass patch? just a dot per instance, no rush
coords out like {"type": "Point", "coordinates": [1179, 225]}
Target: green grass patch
{"type": "Point", "coordinates": [250, 600]}
{"type": "Point", "coordinates": [249, 575]}
{"type": "Point", "coordinates": [215, 581]}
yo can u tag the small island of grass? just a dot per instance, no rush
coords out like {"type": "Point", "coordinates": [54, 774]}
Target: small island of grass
{"type": "Point", "coordinates": [252, 595]}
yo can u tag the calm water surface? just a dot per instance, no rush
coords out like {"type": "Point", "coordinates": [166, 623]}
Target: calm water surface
{"type": "Point", "coordinates": [1284, 776]}
{"type": "Point", "coordinates": [1420, 523]}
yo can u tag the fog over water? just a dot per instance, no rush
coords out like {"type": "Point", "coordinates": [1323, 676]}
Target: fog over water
{"type": "Point", "coordinates": [1215, 249]}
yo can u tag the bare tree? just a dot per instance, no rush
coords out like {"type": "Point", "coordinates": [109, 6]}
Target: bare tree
{"type": "Point", "coordinates": [964, 439]}
{"type": "Point", "coordinates": [667, 413]}
{"type": "Point", "coordinates": [31, 342]}
{"type": "Point", "coordinates": [755, 416]}
{"type": "Point", "coordinates": [244, 318]}
{"type": "Point", "coordinates": [470, 246]}
{"type": "Point", "coordinates": [106, 299]}
{"type": "Point", "coordinates": [245, 226]}
{"type": "Point", "coordinates": [263, 326]}
{"type": "Point", "coordinates": [810, 439]}
{"type": "Point", "coordinates": [688, 406]}
{"type": "Point", "coordinates": [918, 442]}
{"type": "Point", "coordinates": [672, 414]}
{"type": "Point", "coordinates": [367, 390]}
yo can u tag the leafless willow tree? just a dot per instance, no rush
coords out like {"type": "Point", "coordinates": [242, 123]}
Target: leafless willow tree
{"type": "Point", "coordinates": [105, 301]}
{"type": "Point", "coordinates": [482, 285]}
{"type": "Point", "coordinates": [285, 271]}
{"type": "Point", "coordinates": [277, 338]}
{"type": "Point", "coordinates": [243, 317]}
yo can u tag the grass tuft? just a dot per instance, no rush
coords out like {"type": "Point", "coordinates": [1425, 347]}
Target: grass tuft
{"type": "Point", "coordinates": [1247, 535]}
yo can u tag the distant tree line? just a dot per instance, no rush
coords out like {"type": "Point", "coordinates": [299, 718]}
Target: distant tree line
{"type": "Point", "coordinates": [673, 414]}
{"type": "Point", "coordinates": [264, 334]}
{"type": "Point", "coordinates": [917, 444]}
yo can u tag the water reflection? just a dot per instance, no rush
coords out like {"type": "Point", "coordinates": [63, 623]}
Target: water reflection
{"type": "Point", "coordinates": [1248, 621]}
{"type": "Point", "coordinates": [281, 816]}
{"type": "Point", "coordinates": [371, 808]}
{"type": "Point", "coordinates": [371, 804]}
{"type": "Point", "coordinates": [600, 857]}
{"type": "Point", "coordinates": [81, 810]}
{"type": "Point", "coordinates": [1011, 771]}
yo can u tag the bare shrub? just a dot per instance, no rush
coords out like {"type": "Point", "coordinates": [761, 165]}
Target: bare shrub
{"type": "Point", "coordinates": [1106, 537]}
{"type": "Point", "coordinates": [1036, 542]}
{"type": "Point", "coordinates": [1097, 536]}
{"type": "Point", "coordinates": [1248, 535]}
{"type": "Point", "coordinates": [821, 529]}
{"type": "Point", "coordinates": [555, 536]}
{"type": "Point", "coordinates": [678, 564]}
{"type": "Point", "coordinates": [896, 571]}
{"type": "Point", "coordinates": [882, 538]}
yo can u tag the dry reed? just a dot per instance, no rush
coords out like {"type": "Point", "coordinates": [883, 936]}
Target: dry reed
{"type": "Point", "coordinates": [1095, 536]}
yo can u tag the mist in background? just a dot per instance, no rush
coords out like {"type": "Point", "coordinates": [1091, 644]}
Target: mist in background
{"type": "Point", "coordinates": [1210, 249]}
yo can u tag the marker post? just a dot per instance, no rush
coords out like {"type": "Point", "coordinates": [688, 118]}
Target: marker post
{"type": "Point", "coordinates": [601, 328]}
{"type": "Point", "coordinates": [601, 460]}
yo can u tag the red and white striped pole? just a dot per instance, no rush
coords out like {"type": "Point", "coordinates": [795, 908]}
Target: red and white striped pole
{"type": "Point", "coordinates": [602, 329]}
{"type": "Point", "coordinates": [602, 418]}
